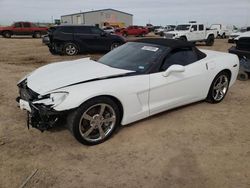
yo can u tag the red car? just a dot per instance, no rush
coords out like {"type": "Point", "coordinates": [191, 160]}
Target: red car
{"type": "Point", "coordinates": [135, 31]}
{"type": "Point", "coordinates": [23, 28]}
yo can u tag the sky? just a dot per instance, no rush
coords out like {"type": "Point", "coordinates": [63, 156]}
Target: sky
{"type": "Point", "coordinates": [157, 12]}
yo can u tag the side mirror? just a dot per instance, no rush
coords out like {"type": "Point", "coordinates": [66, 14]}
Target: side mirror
{"type": "Point", "coordinates": [192, 29]}
{"type": "Point", "coordinates": [173, 68]}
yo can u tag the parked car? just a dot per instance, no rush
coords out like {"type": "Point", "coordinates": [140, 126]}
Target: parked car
{"type": "Point", "coordinates": [23, 28]}
{"type": "Point", "coordinates": [167, 29]}
{"type": "Point", "coordinates": [193, 32]}
{"type": "Point", "coordinates": [160, 31]}
{"type": "Point", "coordinates": [132, 82]}
{"type": "Point", "coordinates": [237, 34]}
{"type": "Point", "coordinates": [242, 50]}
{"type": "Point", "coordinates": [245, 34]}
{"type": "Point", "coordinates": [223, 31]}
{"type": "Point", "coordinates": [109, 29]}
{"type": "Point", "coordinates": [149, 27]}
{"type": "Point", "coordinates": [135, 31]}
{"type": "Point", "coordinates": [74, 39]}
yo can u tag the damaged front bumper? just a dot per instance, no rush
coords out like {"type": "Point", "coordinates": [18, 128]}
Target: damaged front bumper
{"type": "Point", "coordinates": [39, 116]}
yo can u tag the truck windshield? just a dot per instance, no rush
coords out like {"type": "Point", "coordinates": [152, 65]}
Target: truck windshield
{"type": "Point", "coordinates": [182, 27]}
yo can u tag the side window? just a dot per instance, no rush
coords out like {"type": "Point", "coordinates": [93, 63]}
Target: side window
{"type": "Point", "coordinates": [18, 25]}
{"type": "Point", "coordinates": [26, 24]}
{"type": "Point", "coordinates": [95, 30]}
{"type": "Point", "coordinates": [67, 30]}
{"type": "Point", "coordinates": [179, 57]}
{"type": "Point", "coordinates": [82, 30]}
{"type": "Point", "coordinates": [201, 27]}
{"type": "Point", "coordinates": [194, 27]}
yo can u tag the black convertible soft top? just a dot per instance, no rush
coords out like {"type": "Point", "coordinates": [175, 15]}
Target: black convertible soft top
{"type": "Point", "coordinates": [171, 43]}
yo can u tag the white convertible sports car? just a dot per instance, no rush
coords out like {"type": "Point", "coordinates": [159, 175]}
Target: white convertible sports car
{"type": "Point", "coordinates": [132, 82]}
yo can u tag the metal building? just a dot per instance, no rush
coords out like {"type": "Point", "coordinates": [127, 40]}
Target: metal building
{"type": "Point", "coordinates": [99, 18]}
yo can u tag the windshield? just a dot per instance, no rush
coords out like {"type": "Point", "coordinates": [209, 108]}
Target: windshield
{"type": "Point", "coordinates": [182, 27]}
{"type": "Point", "coordinates": [133, 56]}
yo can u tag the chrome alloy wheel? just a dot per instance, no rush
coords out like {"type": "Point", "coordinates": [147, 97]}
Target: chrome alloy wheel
{"type": "Point", "coordinates": [220, 87]}
{"type": "Point", "coordinates": [70, 49]}
{"type": "Point", "coordinates": [97, 122]}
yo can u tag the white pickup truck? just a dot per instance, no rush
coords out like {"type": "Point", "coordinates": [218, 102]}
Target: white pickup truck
{"type": "Point", "coordinates": [193, 32]}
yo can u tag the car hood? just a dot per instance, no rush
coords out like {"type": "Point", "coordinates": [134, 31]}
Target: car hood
{"type": "Point", "coordinates": [58, 75]}
{"type": "Point", "coordinates": [4, 28]}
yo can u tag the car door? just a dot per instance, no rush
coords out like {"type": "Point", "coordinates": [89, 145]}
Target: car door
{"type": "Point", "coordinates": [193, 34]}
{"type": "Point", "coordinates": [101, 40]}
{"type": "Point", "coordinates": [18, 28]}
{"type": "Point", "coordinates": [26, 28]}
{"type": "Point", "coordinates": [178, 88]}
{"type": "Point", "coordinates": [201, 32]}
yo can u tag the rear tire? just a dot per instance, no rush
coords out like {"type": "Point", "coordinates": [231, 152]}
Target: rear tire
{"type": "Point", "coordinates": [114, 45]}
{"type": "Point", "coordinates": [70, 49]}
{"type": "Point", "coordinates": [242, 76]}
{"type": "Point", "coordinates": [210, 40]}
{"type": "Point", "coordinates": [125, 34]}
{"type": "Point", "coordinates": [218, 88]}
{"type": "Point", "coordinates": [37, 35]}
{"type": "Point", "coordinates": [94, 121]}
{"type": "Point", "coordinates": [7, 34]}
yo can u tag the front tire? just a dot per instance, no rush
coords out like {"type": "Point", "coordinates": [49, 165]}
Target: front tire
{"type": "Point", "coordinates": [94, 121]}
{"type": "Point", "coordinates": [218, 88]}
{"type": "Point", "coordinates": [70, 49]}
{"type": "Point", "coordinates": [210, 40]}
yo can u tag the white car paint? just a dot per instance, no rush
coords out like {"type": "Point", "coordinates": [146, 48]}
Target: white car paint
{"type": "Point", "coordinates": [222, 29]}
{"type": "Point", "coordinates": [140, 95]}
{"type": "Point", "coordinates": [191, 34]}
{"type": "Point", "coordinates": [61, 74]}
{"type": "Point", "coordinates": [245, 34]}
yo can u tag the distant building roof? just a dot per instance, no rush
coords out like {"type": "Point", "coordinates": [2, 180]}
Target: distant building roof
{"type": "Point", "coordinates": [98, 11]}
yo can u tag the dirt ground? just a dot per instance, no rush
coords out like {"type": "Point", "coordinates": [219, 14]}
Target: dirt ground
{"type": "Point", "coordinates": [197, 146]}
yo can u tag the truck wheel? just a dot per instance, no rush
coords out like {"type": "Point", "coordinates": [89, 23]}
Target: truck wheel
{"type": "Point", "coordinates": [114, 45]}
{"type": "Point", "coordinates": [143, 35]}
{"type": "Point", "coordinates": [37, 35]}
{"type": "Point", "coordinates": [210, 40]}
{"type": "Point", "coordinates": [125, 34]}
{"type": "Point", "coordinates": [70, 49]}
{"type": "Point", "coordinates": [183, 39]}
{"type": "Point", "coordinates": [242, 76]}
{"type": "Point", "coordinates": [7, 34]}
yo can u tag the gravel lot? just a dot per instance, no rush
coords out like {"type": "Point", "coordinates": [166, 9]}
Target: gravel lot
{"type": "Point", "coordinates": [199, 145]}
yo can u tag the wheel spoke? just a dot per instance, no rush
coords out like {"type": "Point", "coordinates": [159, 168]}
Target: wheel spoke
{"type": "Point", "coordinates": [86, 134]}
{"type": "Point", "coordinates": [102, 109]}
{"type": "Point", "coordinates": [102, 134]}
{"type": "Point", "coordinates": [217, 93]}
{"type": "Point", "coordinates": [87, 117]}
{"type": "Point", "coordinates": [218, 86]}
{"type": "Point", "coordinates": [224, 84]}
{"type": "Point", "coordinates": [107, 120]}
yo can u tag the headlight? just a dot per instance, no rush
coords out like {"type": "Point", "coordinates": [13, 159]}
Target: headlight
{"type": "Point", "coordinates": [52, 99]}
